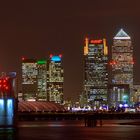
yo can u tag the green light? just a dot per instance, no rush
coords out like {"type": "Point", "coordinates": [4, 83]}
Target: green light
{"type": "Point", "coordinates": [41, 62]}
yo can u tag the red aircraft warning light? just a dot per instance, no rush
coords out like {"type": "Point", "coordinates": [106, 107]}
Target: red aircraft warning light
{"type": "Point", "coordinates": [51, 55]}
{"type": "Point", "coordinates": [60, 55]}
{"type": "Point", "coordinates": [112, 62]}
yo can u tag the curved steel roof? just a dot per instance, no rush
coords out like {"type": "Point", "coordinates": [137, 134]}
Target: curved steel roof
{"type": "Point", "coordinates": [36, 106]}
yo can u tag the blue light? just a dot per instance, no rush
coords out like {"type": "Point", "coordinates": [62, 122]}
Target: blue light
{"type": "Point", "coordinates": [10, 111]}
{"type": "Point", "coordinates": [1, 106]}
{"type": "Point", "coordinates": [2, 111]}
{"type": "Point", "coordinates": [10, 106]}
{"type": "Point", "coordinates": [56, 58]}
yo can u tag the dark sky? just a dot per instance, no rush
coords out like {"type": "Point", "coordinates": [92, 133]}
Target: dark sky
{"type": "Point", "coordinates": [37, 28]}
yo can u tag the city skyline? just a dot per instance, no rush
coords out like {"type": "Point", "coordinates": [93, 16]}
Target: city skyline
{"type": "Point", "coordinates": [37, 29]}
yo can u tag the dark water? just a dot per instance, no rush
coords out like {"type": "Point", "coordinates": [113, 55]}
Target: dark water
{"type": "Point", "coordinates": [73, 130]}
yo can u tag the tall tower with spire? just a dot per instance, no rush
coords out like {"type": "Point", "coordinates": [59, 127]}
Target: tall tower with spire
{"type": "Point", "coordinates": [122, 67]}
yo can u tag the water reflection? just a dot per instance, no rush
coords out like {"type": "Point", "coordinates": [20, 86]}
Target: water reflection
{"type": "Point", "coordinates": [8, 134]}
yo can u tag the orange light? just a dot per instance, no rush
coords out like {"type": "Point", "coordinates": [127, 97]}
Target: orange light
{"type": "Point", "coordinates": [105, 47]}
{"type": "Point", "coordinates": [96, 41]}
{"type": "Point", "coordinates": [86, 46]}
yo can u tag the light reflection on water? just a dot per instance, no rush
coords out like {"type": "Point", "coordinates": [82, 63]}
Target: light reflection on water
{"type": "Point", "coordinates": [7, 134]}
{"type": "Point", "coordinates": [70, 130]}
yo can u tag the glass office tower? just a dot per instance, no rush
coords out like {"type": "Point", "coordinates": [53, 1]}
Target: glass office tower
{"type": "Point", "coordinates": [55, 79]}
{"type": "Point", "coordinates": [121, 69]}
{"type": "Point", "coordinates": [96, 71]}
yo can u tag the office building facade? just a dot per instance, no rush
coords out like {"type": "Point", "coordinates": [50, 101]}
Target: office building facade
{"type": "Point", "coordinates": [96, 71]}
{"type": "Point", "coordinates": [29, 79]}
{"type": "Point", "coordinates": [41, 80]}
{"type": "Point", "coordinates": [55, 79]}
{"type": "Point", "coordinates": [121, 69]}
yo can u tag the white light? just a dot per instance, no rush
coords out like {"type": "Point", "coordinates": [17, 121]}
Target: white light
{"type": "Point", "coordinates": [121, 38]}
{"type": "Point", "coordinates": [120, 105]}
{"type": "Point", "coordinates": [125, 105]}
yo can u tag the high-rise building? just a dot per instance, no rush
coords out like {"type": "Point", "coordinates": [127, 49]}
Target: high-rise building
{"type": "Point", "coordinates": [96, 71]}
{"type": "Point", "coordinates": [29, 79]}
{"type": "Point", "coordinates": [42, 80]}
{"type": "Point", "coordinates": [55, 79]}
{"type": "Point", "coordinates": [121, 69]}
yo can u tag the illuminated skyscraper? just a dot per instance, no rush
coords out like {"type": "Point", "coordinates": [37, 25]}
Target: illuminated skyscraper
{"type": "Point", "coordinates": [42, 80]}
{"type": "Point", "coordinates": [55, 79]}
{"type": "Point", "coordinates": [96, 71]}
{"type": "Point", "coordinates": [121, 68]}
{"type": "Point", "coordinates": [29, 79]}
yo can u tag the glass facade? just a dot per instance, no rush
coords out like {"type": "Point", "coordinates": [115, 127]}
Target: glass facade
{"type": "Point", "coordinates": [55, 79]}
{"type": "Point", "coordinates": [29, 79]}
{"type": "Point", "coordinates": [95, 71]}
{"type": "Point", "coordinates": [41, 80]}
{"type": "Point", "coordinates": [121, 69]}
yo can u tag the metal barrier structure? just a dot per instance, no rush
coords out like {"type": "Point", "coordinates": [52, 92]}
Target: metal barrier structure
{"type": "Point", "coordinates": [8, 101]}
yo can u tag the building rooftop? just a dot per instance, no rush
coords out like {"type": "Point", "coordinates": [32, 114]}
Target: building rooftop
{"type": "Point", "coordinates": [35, 106]}
{"type": "Point", "coordinates": [122, 35]}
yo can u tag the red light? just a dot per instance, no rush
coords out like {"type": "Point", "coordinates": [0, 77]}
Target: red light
{"type": "Point", "coordinates": [112, 63]}
{"type": "Point", "coordinates": [60, 55]}
{"type": "Point", "coordinates": [51, 55]}
{"type": "Point", "coordinates": [6, 87]}
{"type": "Point", "coordinates": [23, 58]}
{"type": "Point", "coordinates": [132, 62]}
{"type": "Point", "coordinates": [96, 41]}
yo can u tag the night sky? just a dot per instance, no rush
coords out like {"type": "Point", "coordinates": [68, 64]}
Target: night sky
{"type": "Point", "coordinates": [37, 28]}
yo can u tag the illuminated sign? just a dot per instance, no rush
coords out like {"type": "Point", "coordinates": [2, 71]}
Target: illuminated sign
{"type": "Point", "coordinates": [56, 58]}
{"type": "Point", "coordinates": [41, 62]}
{"type": "Point", "coordinates": [96, 41]}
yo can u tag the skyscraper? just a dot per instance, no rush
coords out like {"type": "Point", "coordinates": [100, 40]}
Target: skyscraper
{"type": "Point", "coordinates": [55, 79]}
{"type": "Point", "coordinates": [121, 68]}
{"type": "Point", "coordinates": [42, 80]}
{"type": "Point", "coordinates": [29, 79]}
{"type": "Point", "coordinates": [96, 71]}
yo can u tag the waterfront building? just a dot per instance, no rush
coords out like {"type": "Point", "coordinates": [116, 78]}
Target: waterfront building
{"type": "Point", "coordinates": [121, 69]}
{"type": "Point", "coordinates": [136, 94]}
{"type": "Point", "coordinates": [96, 72]}
{"type": "Point", "coordinates": [42, 80]}
{"type": "Point", "coordinates": [29, 79]}
{"type": "Point", "coordinates": [55, 79]}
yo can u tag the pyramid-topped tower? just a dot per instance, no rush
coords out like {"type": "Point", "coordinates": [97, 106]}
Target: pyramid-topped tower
{"type": "Point", "coordinates": [122, 35]}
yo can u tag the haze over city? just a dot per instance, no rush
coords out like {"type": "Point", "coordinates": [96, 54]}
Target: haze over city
{"type": "Point", "coordinates": [36, 29]}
